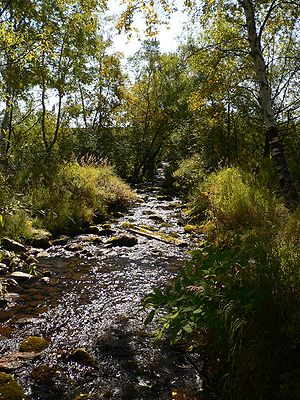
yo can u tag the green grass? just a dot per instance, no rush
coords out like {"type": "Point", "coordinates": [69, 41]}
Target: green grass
{"type": "Point", "coordinates": [238, 300]}
{"type": "Point", "coordinates": [76, 195]}
{"type": "Point", "coordinates": [62, 200]}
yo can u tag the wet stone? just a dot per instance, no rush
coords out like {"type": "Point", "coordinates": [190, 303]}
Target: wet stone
{"type": "Point", "coordinates": [10, 389]}
{"type": "Point", "coordinates": [81, 356]}
{"type": "Point", "coordinates": [106, 232]}
{"type": "Point", "coordinates": [11, 298]}
{"type": "Point", "coordinates": [13, 245]}
{"type": "Point", "coordinates": [27, 321]}
{"type": "Point", "coordinates": [156, 218]}
{"type": "Point", "coordinates": [3, 269]}
{"type": "Point", "coordinates": [122, 241]}
{"type": "Point", "coordinates": [12, 361]}
{"type": "Point", "coordinates": [21, 276]}
{"type": "Point", "coordinates": [92, 239]}
{"type": "Point", "coordinates": [74, 247]}
{"type": "Point", "coordinates": [107, 394]}
{"type": "Point", "coordinates": [34, 344]}
{"type": "Point", "coordinates": [45, 374]}
{"type": "Point", "coordinates": [42, 254]}
{"type": "Point", "coordinates": [49, 383]}
{"type": "Point", "coordinates": [40, 238]}
{"type": "Point", "coordinates": [60, 241]}
{"type": "Point", "coordinates": [93, 229]}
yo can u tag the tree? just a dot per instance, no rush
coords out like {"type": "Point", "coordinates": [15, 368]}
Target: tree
{"type": "Point", "coordinates": [156, 106]}
{"type": "Point", "coordinates": [255, 42]}
{"type": "Point", "coordinates": [46, 47]}
{"type": "Point", "coordinates": [18, 44]}
{"type": "Point", "coordinates": [265, 14]}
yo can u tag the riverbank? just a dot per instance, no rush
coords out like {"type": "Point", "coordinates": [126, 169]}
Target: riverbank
{"type": "Point", "coordinates": [92, 301]}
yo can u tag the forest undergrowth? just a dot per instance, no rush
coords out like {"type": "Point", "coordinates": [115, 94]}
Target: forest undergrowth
{"type": "Point", "coordinates": [62, 198]}
{"type": "Point", "coordinates": [237, 301]}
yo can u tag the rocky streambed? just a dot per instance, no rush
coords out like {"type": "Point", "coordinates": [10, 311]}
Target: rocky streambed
{"type": "Point", "coordinates": [77, 332]}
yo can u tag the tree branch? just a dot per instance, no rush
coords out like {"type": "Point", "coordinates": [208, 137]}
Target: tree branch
{"type": "Point", "coordinates": [268, 15]}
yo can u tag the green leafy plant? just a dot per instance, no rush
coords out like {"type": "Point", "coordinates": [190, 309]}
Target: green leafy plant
{"type": "Point", "coordinates": [193, 300]}
{"type": "Point", "coordinates": [237, 300]}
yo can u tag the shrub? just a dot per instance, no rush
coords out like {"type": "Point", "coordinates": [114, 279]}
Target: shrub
{"type": "Point", "coordinates": [237, 201]}
{"type": "Point", "coordinates": [76, 194]}
{"type": "Point", "coordinates": [238, 300]}
{"type": "Point", "coordinates": [189, 174]}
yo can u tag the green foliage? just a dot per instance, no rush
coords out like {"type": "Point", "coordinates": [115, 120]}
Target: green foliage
{"type": "Point", "coordinates": [194, 298]}
{"type": "Point", "coordinates": [236, 201]}
{"type": "Point", "coordinates": [237, 300]}
{"type": "Point", "coordinates": [189, 174]}
{"type": "Point", "coordinates": [76, 194]}
{"type": "Point", "coordinates": [4, 191]}
{"type": "Point", "coordinates": [14, 219]}
{"type": "Point", "coordinates": [16, 223]}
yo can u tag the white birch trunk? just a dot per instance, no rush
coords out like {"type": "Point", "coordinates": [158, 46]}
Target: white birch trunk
{"type": "Point", "coordinates": [283, 172]}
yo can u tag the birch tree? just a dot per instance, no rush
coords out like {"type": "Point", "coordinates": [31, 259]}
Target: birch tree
{"type": "Point", "coordinates": [256, 51]}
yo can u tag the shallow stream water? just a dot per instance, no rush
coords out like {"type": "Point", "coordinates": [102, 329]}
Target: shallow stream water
{"type": "Point", "coordinates": [93, 301]}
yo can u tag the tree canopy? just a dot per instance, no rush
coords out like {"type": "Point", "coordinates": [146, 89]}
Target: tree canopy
{"type": "Point", "coordinates": [229, 94]}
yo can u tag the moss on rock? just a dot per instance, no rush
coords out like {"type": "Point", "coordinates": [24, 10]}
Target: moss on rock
{"type": "Point", "coordinates": [10, 389]}
{"type": "Point", "coordinates": [122, 241]}
{"type": "Point", "coordinates": [34, 343]}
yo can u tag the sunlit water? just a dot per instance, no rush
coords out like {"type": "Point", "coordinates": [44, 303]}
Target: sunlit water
{"type": "Point", "coordinates": [93, 300]}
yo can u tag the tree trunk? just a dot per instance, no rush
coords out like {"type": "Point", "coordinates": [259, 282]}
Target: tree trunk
{"type": "Point", "coordinates": [283, 172]}
{"type": "Point", "coordinates": [6, 127]}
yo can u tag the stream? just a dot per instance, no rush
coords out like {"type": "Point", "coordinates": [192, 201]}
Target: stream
{"type": "Point", "coordinates": [92, 300]}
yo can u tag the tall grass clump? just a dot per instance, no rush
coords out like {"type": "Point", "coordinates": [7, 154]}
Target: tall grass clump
{"type": "Point", "coordinates": [238, 300]}
{"type": "Point", "coordinates": [78, 194]}
{"type": "Point", "coordinates": [14, 219]}
{"type": "Point", "coordinates": [237, 202]}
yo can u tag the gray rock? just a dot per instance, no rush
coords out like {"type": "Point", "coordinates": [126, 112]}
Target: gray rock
{"type": "Point", "coordinates": [21, 276]}
{"type": "Point", "coordinates": [13, 245]}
